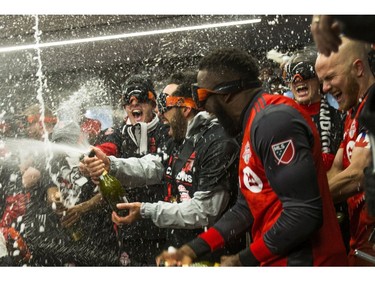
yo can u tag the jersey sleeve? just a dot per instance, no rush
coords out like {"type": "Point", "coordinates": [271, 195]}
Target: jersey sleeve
{"type": "Point", "coordinates": [285, 149]}
{"type": "Point", "coordinates": [232, 224]}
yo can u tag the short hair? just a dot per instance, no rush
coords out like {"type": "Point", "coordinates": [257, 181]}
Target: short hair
{"type": "Point", "coordinates": [232, 60]}
{"type": "Point", "coordinates": [180, 77]}
{"type": "Point", "coordinates": [351, 49]}
{"type": "Point", "coordinates": [183, 90]}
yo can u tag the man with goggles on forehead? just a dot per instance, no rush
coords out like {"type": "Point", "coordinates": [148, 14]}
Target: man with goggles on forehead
{"type": "Point", "coordinates": [141, 132]}
{"type": "Point", "coordinates": [306, 89]}
{"type": "Point", "coordinates": [284, 196]}
{"type": "Point", "coordinates": [199, 174]}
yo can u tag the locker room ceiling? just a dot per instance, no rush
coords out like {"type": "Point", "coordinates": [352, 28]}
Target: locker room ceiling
{"type": "Point", "coordinates": [283, 32]}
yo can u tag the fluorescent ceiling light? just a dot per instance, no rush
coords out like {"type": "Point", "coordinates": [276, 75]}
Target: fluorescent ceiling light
{"type": "Point", "coordinates": [126, 35]}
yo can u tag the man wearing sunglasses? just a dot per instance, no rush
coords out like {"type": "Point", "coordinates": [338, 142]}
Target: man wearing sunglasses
{"type": "Point", "coordinates": [284, 196]}
{"type": "Point", "coordinates": [199, 171]}
{"type": "Point", "coordinates": [141, 132]}
{"type": "Point", "coordinates": [306, 89]}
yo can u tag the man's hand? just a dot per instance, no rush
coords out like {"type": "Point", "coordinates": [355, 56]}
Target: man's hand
{"type": "Point", "coordinates": [72, 215]}
{"type": "Point", "coordinates": [83, 169]}
{"type": "Point", "coordinates": [233, 260]}
{"type": "Point", "coordinates": [183, 256]}
{"type": "Point", "coordinates": [95, 166]}
{"type": "Point", "coordinates": [134, 213]}
{"type": "Point", "coordinates": [54, 198]}
{"type": "Point", "coordinates": [326, 33]}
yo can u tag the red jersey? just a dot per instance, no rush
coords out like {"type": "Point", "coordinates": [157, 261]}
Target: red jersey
{"type": "Point", "coordinates": [361, 223]}
{"type": "Point", "coordinates": [284, 192]}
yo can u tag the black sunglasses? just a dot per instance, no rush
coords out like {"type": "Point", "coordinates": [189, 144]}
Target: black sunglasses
{"type": "Point", "coordinates": [303, 70]}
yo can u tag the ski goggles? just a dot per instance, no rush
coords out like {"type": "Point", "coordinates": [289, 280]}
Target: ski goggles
{"type": "Point", "coordinates": [166, 102]}
{"type": "Point", "coordinates": [302, 70]}
{"type": "Point", "coordinates": [200, 95]}
{"type": "Point", "coordinates": [138, 93]}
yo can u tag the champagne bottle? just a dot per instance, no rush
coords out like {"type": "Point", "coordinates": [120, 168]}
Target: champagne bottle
{"type": "Point", "coordinates": [111, 189]}
{"type": "Point", "coordinates": [112, 192]}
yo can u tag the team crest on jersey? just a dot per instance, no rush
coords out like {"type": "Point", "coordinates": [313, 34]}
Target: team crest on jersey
{"type": "Point", "coordinates": [247, 153]}
{"type": "Point", "coordinates": [283, 151]}
{"type": "Point", "coordinates": [251, 180]}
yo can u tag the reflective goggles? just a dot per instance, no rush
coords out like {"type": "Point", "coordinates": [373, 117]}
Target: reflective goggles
{"type": "Point", "coordinates": [166, 102]}
{"type": "Point", "coordinates": [200, 95]}
{"type": "Point", "coordinates": [139, 93]}
{"type": "Point", "coordinates": [302, 70]}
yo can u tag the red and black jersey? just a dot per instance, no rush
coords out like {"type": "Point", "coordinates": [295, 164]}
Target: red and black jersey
{"type": "Point", "coordinates": [284, 192]}
{"type": "Point", "coordinates": [361, 223]}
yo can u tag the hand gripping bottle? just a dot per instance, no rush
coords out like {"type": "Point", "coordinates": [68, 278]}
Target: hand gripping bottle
{"type": "Point", "coordinates": [112, 190]}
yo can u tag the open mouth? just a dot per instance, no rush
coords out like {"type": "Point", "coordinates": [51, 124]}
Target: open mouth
{"type": "Point", "coordinates": [337, 96]}
{"type": "Point", "coordinates": [302, 89]}
{"type": "Point", "coordinates": [137, 114]}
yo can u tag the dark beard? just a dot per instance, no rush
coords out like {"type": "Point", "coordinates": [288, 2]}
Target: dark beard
{"type": "Point", "coordinates": [230, 126]}
{"type": "Point", "coordinates": [179, 127]}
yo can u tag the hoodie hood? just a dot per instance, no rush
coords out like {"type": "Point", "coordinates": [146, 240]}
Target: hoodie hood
{"type": "Point", "coordinates": [200, 121]}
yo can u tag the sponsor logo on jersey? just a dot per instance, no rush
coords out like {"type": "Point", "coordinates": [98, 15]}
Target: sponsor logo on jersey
{"type": "Point", "coordinates": [252, 181]}
{"type": "Point", "coordinates": [283, 151]}
{"type": "Point", "coordinates": [246, 153]}
{"type": "Point", "coordinates": [183, 176]}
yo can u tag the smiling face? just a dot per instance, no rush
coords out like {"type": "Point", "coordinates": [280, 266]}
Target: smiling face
{"type": "Point", "coordinates": [177, 123]}
{"type": "Point", "coordinates": [139, 111]}
{"type": "Point", "coordinates": [305, 91]}
{"type": "Point", "coordinates": [338, 79]}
